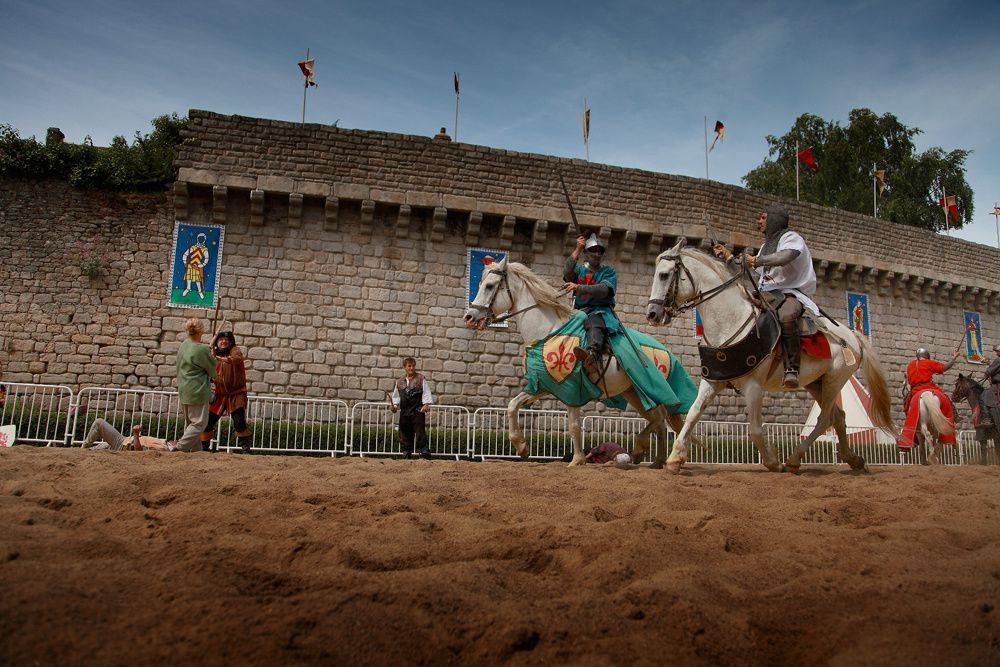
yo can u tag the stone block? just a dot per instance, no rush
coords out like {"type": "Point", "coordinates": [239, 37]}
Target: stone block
{"type": "Point", "coordinates": [277, 184]}
{"type": "Point", "coordinates": [351, 191]}
{"type": "Point", "coordinates": [197, 176]}
{"type": "Point", "coordinates": [313, 188]}
{"type": "Point", "coordinates": [388, 196]}
{"type": "Point", "coordinates": [459, 203]}
{"type": "Point", "coordinates": [423, 199]}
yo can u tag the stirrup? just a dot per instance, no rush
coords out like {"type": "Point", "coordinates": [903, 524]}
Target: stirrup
{"type": "Point", "coordinates": [591, 361]}
{"type": "Point", "coordinates": [791, 380]}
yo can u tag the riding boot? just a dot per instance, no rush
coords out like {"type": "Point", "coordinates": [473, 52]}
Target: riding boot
{"type": "Point", "coordinates": [594, 330]}
{"type": "Point", "coordinates": [793, 353]}
{"type": "Point", "coordinates": [244, 442]}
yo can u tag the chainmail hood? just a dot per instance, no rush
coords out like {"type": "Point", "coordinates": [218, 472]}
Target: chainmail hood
{"type": "Point", "coordinates": [777, 223]}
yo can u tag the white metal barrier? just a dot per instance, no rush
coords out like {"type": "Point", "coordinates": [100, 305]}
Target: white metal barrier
{"type": "Point", "coordinates": [41, 412]}
{"type": "Point", "coordinates": [546, 431]}
{"type": "Point", "coordinates": [291, 424]}
{"type": "Point", "coordinates": [52, 415]}
{"type": "Point", "coordinates": [158, 412]}
{"type": "Point", "coordinates": [374, 430]}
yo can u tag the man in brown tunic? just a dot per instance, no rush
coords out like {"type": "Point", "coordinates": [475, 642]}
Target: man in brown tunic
{"type": "Point", "coordinates": [230, 391]}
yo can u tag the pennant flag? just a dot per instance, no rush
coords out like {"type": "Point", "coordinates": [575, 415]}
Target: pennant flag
{"type": "Point", "coordinates": [586, 125]}
{"type": "Point", "coordinates": [952, 206]}
{"type": "Point", "coordinates": [308, 68]}
{"type": "Point", "coordinates": [699, 328]}
{"type": "Point", "coordinates": [807, 159]}
{"type": "Point", "coordinates": [720, 134]}
{"type": "Point", "coordinates": [880, 175]}
{"type": "Point", "coordinates": [996, 210]}
{"type": "Point", "coordinates": [456, 83]}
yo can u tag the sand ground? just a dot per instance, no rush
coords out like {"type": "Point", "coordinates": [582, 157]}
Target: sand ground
{"type": "Point", "coordinates": [166, 558]}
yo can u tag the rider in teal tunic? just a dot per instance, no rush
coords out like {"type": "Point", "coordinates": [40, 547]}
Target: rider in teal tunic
{"type": "Point", "coordinates": [594, 286]}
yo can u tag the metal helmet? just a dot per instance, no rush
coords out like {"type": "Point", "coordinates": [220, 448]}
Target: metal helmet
{"type": "Point", "coordinates": [922, 353]}
{"type": "Point", "coordinates": [593, 243]}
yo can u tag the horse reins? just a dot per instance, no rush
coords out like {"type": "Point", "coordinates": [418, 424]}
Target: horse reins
{"type": "Point", "coordinates": [506, 316]}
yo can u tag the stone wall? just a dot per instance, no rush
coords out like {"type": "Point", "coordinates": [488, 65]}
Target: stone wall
{"type": "Point", "coordinates": [345, 251]}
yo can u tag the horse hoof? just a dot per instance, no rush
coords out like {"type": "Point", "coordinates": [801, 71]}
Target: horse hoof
{"type": "Point", "coordinates": [858, 464]}
{"type": "Point", "coordinates": [792, 469]}
{"type": "Point", "coordinates": [674, 468]}
{"type": "Point", "coordinates": [656, 465]}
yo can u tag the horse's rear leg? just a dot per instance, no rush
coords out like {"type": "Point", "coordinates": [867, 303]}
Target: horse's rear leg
{"type": "Point", "coordinates": [654, 422]}
{"type": "Point", "coordinates": [847, 454]}
{"type": "Point", "coordinates": [754, 395]}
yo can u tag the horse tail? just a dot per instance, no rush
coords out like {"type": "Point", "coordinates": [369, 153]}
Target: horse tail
{"type": "Point", "coordinates": [881, 402]}
{"type": "Point", "coordinates": [941, 423]}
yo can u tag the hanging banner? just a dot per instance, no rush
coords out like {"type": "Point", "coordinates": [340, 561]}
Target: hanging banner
{"type": "Point", "coordinates": [974, 337]}
{"type": "Point", "coordinates": [857, 313]}
{"type": "Point", "coordinates": [194, 266]}
{"type": "Point", "coordinates": [477, 260]}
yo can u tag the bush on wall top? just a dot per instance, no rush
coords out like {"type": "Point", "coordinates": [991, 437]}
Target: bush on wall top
{"type": "Point", "coordinates": [145, 165]}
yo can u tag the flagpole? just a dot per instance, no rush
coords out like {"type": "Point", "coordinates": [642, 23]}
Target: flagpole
{"type": "Point", "coordinates": [305, 89]}
{"type": "Point", "coordinates": [874, 189]}
{"type": "Point", "coordinates": [456, 106]}
{"type": "Point", "coordinates": [796, 170]}
{"type": "Point", "coordinates": [706, 148]}
{"type": "Point", "coordinates": [947, 227]}
{"type": "Point", "coordinates": [996, 215]}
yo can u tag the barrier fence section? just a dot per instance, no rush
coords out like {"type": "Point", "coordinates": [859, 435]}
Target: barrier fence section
{"type": "Point", "coordinates": [974, 453]}
{"type": "Point", "coordinates": [158, 412]}
{"type": "Point", "coordinates": [623, 430]}
{"type": "Point", "coordinates": [545, 431]}
{"type": "Point", "coordinates": [40, 412]}
{"type": "Point", "coordinates": [291, 424]}
{"type": "Point", "coordinates": [374, 430]}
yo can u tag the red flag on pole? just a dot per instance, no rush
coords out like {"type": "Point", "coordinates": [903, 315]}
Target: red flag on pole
{"type": "Point", "coordinates": [720, 134]}
{"type": "Point", "coordinates": [807, 158]}
{"type": "Point", "coordinates": [952, 206]}
{"type": "Point", "coordinates": [308, 68]}
{"type": "Point", "coordinates": [456, 83]}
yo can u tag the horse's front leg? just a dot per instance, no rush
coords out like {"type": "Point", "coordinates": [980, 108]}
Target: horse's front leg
{"type": "Point", "coordinates": [514, 425]}
{"type": "Point", "coordinates": [679, 454]}
{"type": "Point", "coordinates": [576, 435]}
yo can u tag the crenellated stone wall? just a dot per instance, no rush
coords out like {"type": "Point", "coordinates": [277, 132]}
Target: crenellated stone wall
{"type": "Point", "coordinates": [345, 251]}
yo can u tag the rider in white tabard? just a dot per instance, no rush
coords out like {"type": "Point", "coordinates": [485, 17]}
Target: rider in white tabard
{"type": "Point", "coordinates": [785, 267]}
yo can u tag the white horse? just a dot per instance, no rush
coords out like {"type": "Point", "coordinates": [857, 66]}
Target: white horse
{"type": "Point", "coordinates": [539, 309]}
{"type": "Point", "coordinates": [932, 425]}
{"type": "Point", "coordinates": [685, 278]}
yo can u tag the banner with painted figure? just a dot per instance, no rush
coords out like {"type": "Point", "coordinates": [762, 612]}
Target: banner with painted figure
{"type": "Point", "coordinates": [478, 259]}
{"type": "Point", "coordinates": [974, 338]}
{"type": "Point", "coordinates": [857, 313]}
{"type": "Point", "coordinates": [194, 266]}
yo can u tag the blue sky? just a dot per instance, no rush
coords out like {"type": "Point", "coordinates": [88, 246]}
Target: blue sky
{"type": "Point", "coordinates": [651, 71]}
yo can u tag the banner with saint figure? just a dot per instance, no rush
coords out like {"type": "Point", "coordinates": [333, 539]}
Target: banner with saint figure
{"type": "Point", "coordinates": [194, 266]}
{"type": "Point", "coordinates": [974, 337]}
{"type": "Point", "coordinates": [478, 260]}
{"type": "Point", "coordinates": [857, 313]}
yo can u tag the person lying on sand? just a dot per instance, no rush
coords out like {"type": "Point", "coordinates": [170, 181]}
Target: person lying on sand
{"type": "Point", "coordinates": [111, 439]}
{"type": "Point", "coordinates": [604, 453]}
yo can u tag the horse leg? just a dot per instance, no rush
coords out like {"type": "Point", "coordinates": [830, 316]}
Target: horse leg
{"type": "Point", "coordinates": [514, 425]}
{"type": "Point", "coordinates": [654, 422]}
{"type": "Point", "coordinates": [575, 435]}
{"type": "Point", "coordinates": [754, 396]}
{"type": "Point", "coordinates": [844, 449]}
{"type": "Point", "coordinates": [678, 455]}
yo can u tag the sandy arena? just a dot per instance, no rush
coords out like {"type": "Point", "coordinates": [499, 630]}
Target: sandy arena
{"type": "Point", "coordinates": [148, 558]}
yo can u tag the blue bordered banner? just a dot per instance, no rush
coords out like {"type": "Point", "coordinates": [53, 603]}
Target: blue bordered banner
{"type": "Point", "coordinates": [478, 259]}
{"type": "Point", "coordinates": [194, 266]}
{"type": "Point", "coordinates": [857, 313]}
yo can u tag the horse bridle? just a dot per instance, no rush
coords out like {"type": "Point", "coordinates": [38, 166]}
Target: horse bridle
{"type": "Point", "coordinates": [670, 296]}
{"type": "Point", "coordinates": [488, 308]}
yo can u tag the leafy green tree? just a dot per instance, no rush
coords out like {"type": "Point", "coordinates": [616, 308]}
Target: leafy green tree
{"type": "Point", "coordinates": [145, 165]}
{"type": "Point", "coordinates": [846, 156]}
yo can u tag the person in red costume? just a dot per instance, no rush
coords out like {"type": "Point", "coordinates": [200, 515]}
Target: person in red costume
{"type": "Point", "coordinates": [919, 374]}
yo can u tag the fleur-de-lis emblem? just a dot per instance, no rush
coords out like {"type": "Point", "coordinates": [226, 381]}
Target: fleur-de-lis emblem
{"type": "Point", "coordinates": [557, 352]}
{"type": "Point", "coordinates": [559, 360]}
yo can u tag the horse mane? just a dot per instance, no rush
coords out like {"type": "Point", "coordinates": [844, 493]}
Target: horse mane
{"type": "Point", "coordinates": [971, 384]}
{"type": "Point", "coordinates": [544, 294]}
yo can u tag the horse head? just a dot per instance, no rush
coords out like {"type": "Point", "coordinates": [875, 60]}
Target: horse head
{"type": "Point", "coordinates": [965, 388]}
{"type": "Point", "coordinates": [673, 285]}
{"type": "Point", "coordinates": [491, 298]}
